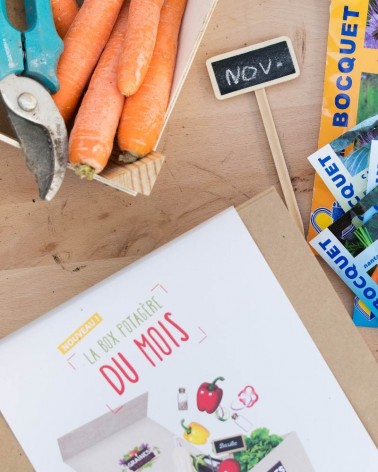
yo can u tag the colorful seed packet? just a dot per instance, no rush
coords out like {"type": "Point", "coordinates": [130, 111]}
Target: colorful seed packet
{"type": "Point", "coordinates": [350, 86]}
{"type": "Point", "coordinates": [372, 180]}
{"type": "Point", "coordinates": [346, 175]}
{"type": "Point", "coordinates": [364, 161]}
{"type": "Point", "coordinates": [362, 316]}
{"type": "Point", "coordinates": [350, 247]}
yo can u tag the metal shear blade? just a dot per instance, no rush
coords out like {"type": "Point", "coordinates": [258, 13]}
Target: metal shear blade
{"type": "Point", "coordinates": [40, 129]}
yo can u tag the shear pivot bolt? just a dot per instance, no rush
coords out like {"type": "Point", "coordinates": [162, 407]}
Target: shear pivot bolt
{"type": "Point", "coordinates": [27, 101]}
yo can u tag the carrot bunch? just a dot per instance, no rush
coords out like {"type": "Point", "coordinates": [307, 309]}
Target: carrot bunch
{"type": "Point", "coordinates": [115, 75]}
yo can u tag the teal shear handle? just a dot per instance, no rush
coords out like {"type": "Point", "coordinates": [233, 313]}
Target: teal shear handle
{"type": "Point", "coordinates": [43, 45]}
{"type": "Point", "coordinates": [11, 51]}
{"type": "Point", "coordinates": [35, 52]}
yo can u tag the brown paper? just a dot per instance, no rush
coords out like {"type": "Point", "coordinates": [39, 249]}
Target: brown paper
{"type": "Point", "coordinates": [313, 298]}
{"type": "Point", "coordinates": [316, 302]}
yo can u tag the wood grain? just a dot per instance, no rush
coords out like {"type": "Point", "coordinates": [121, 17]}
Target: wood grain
{"type": "Point", "coordinates": [133, 178]}
{"type": "Point", "coordinates": [217, 155]}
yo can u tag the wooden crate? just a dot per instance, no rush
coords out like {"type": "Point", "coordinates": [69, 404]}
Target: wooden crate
{"type": "Point", "coordinates": [139, 177]}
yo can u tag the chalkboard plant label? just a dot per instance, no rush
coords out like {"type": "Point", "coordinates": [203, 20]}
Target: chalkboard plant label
{"type": "Point", "coordinates": [253, 67]}
{"type": "Point", "coordinates": [229, 444]}
{"type": "Point", "coordinates": [279, 467]}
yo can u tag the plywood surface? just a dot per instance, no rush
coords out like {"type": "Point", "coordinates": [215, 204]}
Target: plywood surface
{"type": "Point", "coordinates": [217, 155]}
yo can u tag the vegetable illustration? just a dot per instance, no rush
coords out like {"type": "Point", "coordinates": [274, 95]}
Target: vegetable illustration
{"type": "Point", "coordinates": [139, 44]}
{"type": "Point", "coordinates": [82, 49]}
{"type": "Point", "coordinates": [259, 444]}
{"type": "Point", "coordinates": [144, 112]}
{"type": "Point", "coordinates": [248, 396]}
{"type": "Point", "coordinates": [143, 455]}
{"type": "Point", "coordinates": [64, 11]}
{"type": "Point", "coordinates": [229, 465]}
{"type": "Point", "coordinates": [205, 463]}
{"type": "Point", "coordinates": [209, 396]}
{"type": "Point", "coordinates": [195, 433]}
{"type": "Point", "coordinates": [92, 136]}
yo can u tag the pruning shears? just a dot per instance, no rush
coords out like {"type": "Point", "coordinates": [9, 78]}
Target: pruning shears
{"type": "Point", "coordinates": [28, 61]}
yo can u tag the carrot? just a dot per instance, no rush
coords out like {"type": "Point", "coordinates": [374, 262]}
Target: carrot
{"type": "Point", "coordinates": [139, 44]}
{"type": "Point", "coordinates": [374, 275]}
{"type": "Point", "coordinates": [92, 136]}
{"type": "Point", "coordinates": [143, 114]}
{"type": "Point", "coordinates": [83, 45]}
{"type": "Point", "coordinates": [64, 11]}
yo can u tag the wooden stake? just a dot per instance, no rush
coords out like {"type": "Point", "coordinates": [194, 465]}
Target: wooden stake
{"type": "Point", "coordinates": [279, 159]}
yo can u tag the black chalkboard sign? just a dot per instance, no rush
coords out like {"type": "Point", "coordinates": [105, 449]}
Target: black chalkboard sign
{"type": "Point", "coordinates": [253, 67]}
{"type": "Point", "coordinates": [230, 444]}
{"type": "Point", "coordinates": [279, 467]}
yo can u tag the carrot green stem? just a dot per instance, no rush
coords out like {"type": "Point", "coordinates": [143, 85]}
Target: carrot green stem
{"type": "Point", "coordinates": [363, 235]}
{"type": "Point", "coordinates": [128, 157]}
{"type": "Point", "coordinates": [84, 171]}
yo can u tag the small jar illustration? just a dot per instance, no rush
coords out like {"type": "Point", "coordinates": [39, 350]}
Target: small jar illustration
{"type": "Point", "coordinates": [242, 422]}
{"type": "Point", "coordinates": [182, 399]}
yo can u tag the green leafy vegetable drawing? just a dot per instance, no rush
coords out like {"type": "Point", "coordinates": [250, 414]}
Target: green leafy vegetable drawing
{"type": "Point", "coordinates": [259, 444]}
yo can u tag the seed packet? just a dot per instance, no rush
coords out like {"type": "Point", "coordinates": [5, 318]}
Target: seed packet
{"type": "Point", "coordinates": [362, 316]}
{"type": "Point", "coordinates": [350, 247]}
{"type": "Point", "coordinates": [346, 175]}
{"type": "Point", "coordinates": [372, 180]}
{"type": "Point", "coordinates": [333, 167]}
{"type": "Point", "coordinates": [365, 179]}
{"type": "Point", "coordinates": [350, 87]}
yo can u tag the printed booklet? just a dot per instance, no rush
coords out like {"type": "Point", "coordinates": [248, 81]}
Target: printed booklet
{"type": "Point", "coordinates": [192, 359]}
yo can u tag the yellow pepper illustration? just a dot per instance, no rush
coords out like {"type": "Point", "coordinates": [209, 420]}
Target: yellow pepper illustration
{"type": "Point", "coordinates": [195, 433]}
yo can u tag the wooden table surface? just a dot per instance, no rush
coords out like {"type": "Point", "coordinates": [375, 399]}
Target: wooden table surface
{"type": "Point", "coordinates": [217, 156]}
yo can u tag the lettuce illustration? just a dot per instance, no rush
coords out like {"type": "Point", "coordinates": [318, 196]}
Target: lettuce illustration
{"type": "Point", "coordinates": [259, 444]}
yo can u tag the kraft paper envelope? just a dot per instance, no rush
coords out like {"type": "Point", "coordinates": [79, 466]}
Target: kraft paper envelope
{"type": "Point", "coordinates": [315, 301]}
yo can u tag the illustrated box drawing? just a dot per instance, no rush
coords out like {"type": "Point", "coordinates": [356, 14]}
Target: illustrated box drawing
{"type": "Point", "coordinates": [289, 456]}
{"type": "Point", "coordinates": [128, 435]}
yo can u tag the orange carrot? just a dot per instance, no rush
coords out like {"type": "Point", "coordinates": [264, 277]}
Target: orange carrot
{"type": "Point", "coordinates": [374, 275]}
{"type": "Point", "coordinates": [64, 11]}
{"type": "Point", "coordinates": [92, 136]}
{"type": "Point", "coordinates": [139, 44]}
{"type": "Point", "coordinates": [83, 45]}
{"type": "Point", "coordinates": [143, 114]}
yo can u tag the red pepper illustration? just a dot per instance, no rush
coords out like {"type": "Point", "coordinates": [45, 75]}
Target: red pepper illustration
{"type": "Point", "coordinates": [209, 396]}
{"type": "Point", "coordinates": [248, 396]}
{"type": "Point", "coordinates": [229, 465]}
